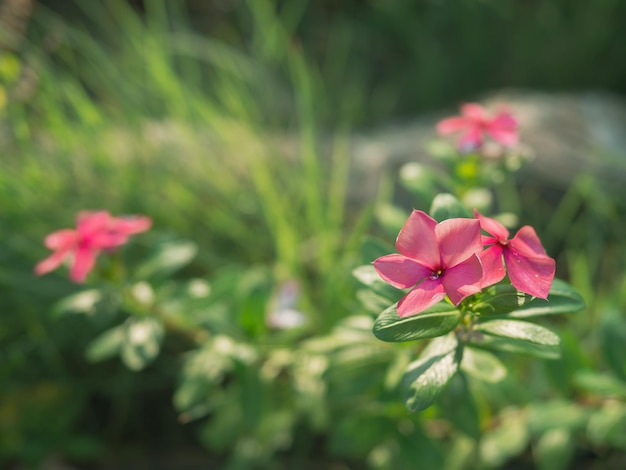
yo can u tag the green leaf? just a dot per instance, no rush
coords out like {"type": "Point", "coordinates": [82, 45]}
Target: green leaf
{"type": "Point", "coordinates": [142, 342]}
{"type": "Point", "coordinates": [446, 206]}
{"type": "Point", "coordinates": [105, 345]}
{"type": "Point", "coordinates": [554, 450]}
{"type": "Point", "coordinates": [427, 377]}
{"type": "Point", "coordinates": [562, 298]}
{"type": "Point", "coordinates": [482, 365]}
{"type": "Point", "coordinates": [517, 336]}
{"type": "Point", "coordinates": [556, 414]}
{"type": "Point", "coordinates": [600, 383]}
{"type": "Point", "coordinates": [390, 217]}
{"type": "Point", "coordinates": [372, 248]}
{"type": "Point", "coordinates": [613, 338]}
{"type": "Point", "coordinates": [169, 257]}
{"type": "Point", "coordinates": [607, 426]}
{"type": "Point", "coordinates": [508, 439]}
{"type": "Point", "coordinates": [368, 276]}
{"type": "Point", "coordinates": [500, 299]}
{"type": "Point", "coordinates": [81, 302]}
{"type": "Point", "coordinates": [435, 321]}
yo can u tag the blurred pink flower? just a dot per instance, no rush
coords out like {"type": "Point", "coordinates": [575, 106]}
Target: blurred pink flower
{"type": "Point", "coordinates": [530, 269]}
{"type": "Point", "coordinates": [95, 231]}
{"type": "Point", "coordinates": [474, 123]}
{"type": "Point", "coordinates": [435, 259]}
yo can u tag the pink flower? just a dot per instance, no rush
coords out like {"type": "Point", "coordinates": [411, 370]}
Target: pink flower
{"type": "Point", "coordinates": [435, 259]}
{"type": "Point", "coordinates": [95, 231]}
{"type": "Point", "coordinates": [530, 269]}
{"type": "Point", "coordinates": [475, 123]}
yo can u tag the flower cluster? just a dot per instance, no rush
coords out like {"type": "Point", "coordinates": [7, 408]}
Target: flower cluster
{"type": "Point", "coordinates": [95, 231]}
{"type": "Point", "coordinates": [474, 123]}
{"type": "Point", "coordinates": [447, 258]}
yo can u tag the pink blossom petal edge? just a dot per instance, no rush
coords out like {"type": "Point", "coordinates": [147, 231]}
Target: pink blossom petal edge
{"type": "Point", "coordinates": [84, 262]}
{"type": "Point", "coordinates": [399, 271]}
{"type": "Point", "coordinates": [532, 275]}
{"type": "Point", "coordinates": [492, 226]}
{"type": "Point", "coordinates": [131, 225]}
{"type": "Point", "coordinates": [417, 239]}
{"type": "Point", "coordinates": [452, 125]}
{"type": "Point", "coordinates": [458, 239]}
{"type": "Point", "coordinates": [51, 262]}
{"type": "Point", "coordinates": [474, 111]}
{"type": "Point", "coordinates": [493, 267]}
{"type": "Point", "coordinates": [527, 242]}
{"type": "Point", "coordinates": [424, 295]}
{"type": "Point", "coordinates": [61, 239]}
{"type": "Point", "coordinates": [463, 279]}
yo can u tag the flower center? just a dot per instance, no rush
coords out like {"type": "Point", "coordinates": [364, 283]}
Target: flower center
{"type": "Point", "coordinates": [503, 242]}
{"type": "Point", "coordinates": [435, 274]}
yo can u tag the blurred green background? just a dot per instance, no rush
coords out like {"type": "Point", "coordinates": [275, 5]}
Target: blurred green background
{"type": "Point", "coordinates": [230, 124]}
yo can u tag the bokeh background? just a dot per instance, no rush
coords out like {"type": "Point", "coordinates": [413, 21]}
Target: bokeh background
{"type": "Point", "coordinates": [264, 138]}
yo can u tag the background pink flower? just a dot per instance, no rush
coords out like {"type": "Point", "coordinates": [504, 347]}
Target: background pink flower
{"type": "Point", "coordinates": [474, 123]}
{"type": "Point", "coordinates": [435, 259]}
{"type": "Point", "coordinates": [530, 269]}
{"type": "Point", "coordinates": [94, 232]}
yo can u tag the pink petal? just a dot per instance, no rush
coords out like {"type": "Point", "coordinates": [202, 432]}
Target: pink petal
{"type": "Point", "coordinates": [51, 262]}
{"type": "Point", "coordinates": [471, 140]}
{"type": "Point", "coordinates": [503, 129]}
{"type": "Point", "coordinates": [493, 267]}
{"type": "Point", "coordinates": [474, 111]}
{"type": "Point", "coordinates": [452, 125]}
{"type": "Point", "coordinates": [90, 223]}
{"type": "Point", "coordinates": [84, 261]}
{"type": "Point", "coordinates": [463, 279]}
{"type": "Point", "coordinates": [131, 225]}
{"type": "Point", "coordinates": [107, 239]}
{"type": "Point", "coordinates": [532, 275]}
{"type": "Point", "coordinates": [527, 242]}
{"type": "Point", "coordinates": [61, 239]}
{"type": "Point", "coordinates": [417, 239]}
{"type": "Point", "coordinates": [458, 240]}
{"type": "Point", "coordinates": [424, 295]}
{"type": "Point", "coordinates": [400, 271]}
{"type": "Point", "coordinates": [492, 226]}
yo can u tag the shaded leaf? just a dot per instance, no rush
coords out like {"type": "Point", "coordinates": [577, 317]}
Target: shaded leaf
{"type": "Point", "coordinates": [561, 414]}
{"type": "Point", "coordinates": [435, 321]}
{"type": "Point", "coordinates": [500, 299]}
{"type": "Point", "coordinates": [427, 377]}
{"type": "Point", "coordinates": [507, 440]}
{"type": "Point", "coordinates": [372, 248]}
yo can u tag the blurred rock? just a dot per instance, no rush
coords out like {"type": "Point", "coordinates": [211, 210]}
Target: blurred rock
{"type": "Point", "coordinates": [566, 133]}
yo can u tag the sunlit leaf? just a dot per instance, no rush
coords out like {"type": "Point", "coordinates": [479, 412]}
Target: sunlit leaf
{"type": "Point", "coordinates": [507, 440]}
{"type": "Point", "coordinates": [142, 342]}
{"type": "Point", "coordinates": [607, 426]}
{"type": "Point", "coordinates": [446, 206]}
{"type": "Point", "coordinates": [554, 450]}
{"type": "Point", "coordinates": [556, 414]}
{"type": "Point", "coordinates": [427, 377]}
{"type": "Point", "coordinates": [169, 257]}
{"type": "Point", "coordinates": [435, 321]}
{"type": "Point", "coordinates": [517, 336]}
{"type": "Point", "coordinates": [562, 298]}
{"type": "Point", "coordinates": [368, 276]}
{"type": "Point", "coordinates": [600, 383]}
{"type": "Point", "coordinates": [482, 365]}
{"type": "Point", "coordinates": [500, 299]}
{"type": "Point", "coordinates": [106, 345]}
